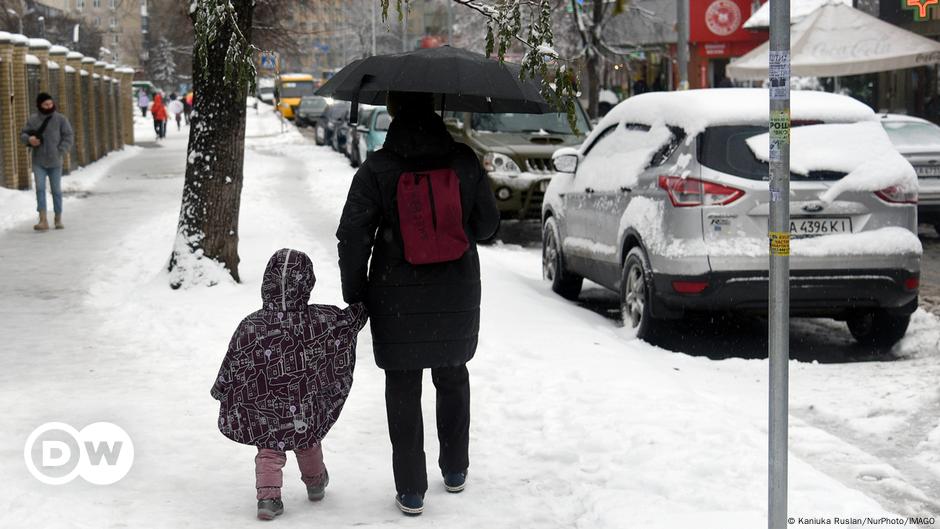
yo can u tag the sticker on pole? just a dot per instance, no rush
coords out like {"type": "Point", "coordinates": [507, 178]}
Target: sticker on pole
{"type": "Point", "coordinates": [780, 243]}
{"type": "Point", "coordinates": [779, 74]}
{"type": "Point", "coordinates": [779, 133]}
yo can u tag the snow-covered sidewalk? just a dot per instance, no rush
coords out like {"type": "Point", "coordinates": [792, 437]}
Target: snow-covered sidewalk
{"type": "Point", "coordinates": [574, 423]}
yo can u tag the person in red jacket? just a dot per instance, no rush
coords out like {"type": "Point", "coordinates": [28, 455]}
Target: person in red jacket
{"type": "Point", "coordinates": [158, 110]}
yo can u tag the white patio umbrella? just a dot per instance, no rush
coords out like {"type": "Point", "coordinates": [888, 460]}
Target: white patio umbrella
{"type": "Point", "coordinates": [837, 40]}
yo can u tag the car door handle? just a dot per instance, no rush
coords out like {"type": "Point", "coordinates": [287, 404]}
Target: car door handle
{"type": "Point", "coordinates": [589, 190]}
{"type": "Point", "coordinates": [624, 189]}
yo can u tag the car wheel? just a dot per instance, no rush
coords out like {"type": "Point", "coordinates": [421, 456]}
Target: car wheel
{"type": "Point", "coordinates": [635, 293]}
{"type": "Point", "coordinates": [321, 134]}
{"type": "Point", "coordinates": [879, 327]}
{"type": "Point", "coordinates": [564, 283]}
{"type": "Point", "coordinates": [937, 228]}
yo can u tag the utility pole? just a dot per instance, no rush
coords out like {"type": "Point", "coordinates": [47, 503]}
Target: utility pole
{"type": "Point", "coordinates": [779, 237]}
{"type": "Point", "coordinates": [682, 42]}
{"type": "Point", "coordinates": [404, 28]}
{"type": "Point", "coordinates": [450, 23]}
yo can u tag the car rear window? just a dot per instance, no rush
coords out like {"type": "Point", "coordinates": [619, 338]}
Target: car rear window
{"type": "Point", "coordinates": [315, 105]}
{"type": "Point", "coordinates": [725, 149]}
{"type": "Point", "coordinates": [382, 121]}
{"type": "Point", "coordinates": [912, 134]}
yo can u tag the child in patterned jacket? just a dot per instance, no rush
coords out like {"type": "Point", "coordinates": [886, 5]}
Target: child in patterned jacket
{"type": "Point", "coordinates": [285, 378]}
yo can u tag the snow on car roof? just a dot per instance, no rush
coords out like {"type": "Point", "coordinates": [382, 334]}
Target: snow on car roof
{"type": "Point", "coordinates": [696, 110]}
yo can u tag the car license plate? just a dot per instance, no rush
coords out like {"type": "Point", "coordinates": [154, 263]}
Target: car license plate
{"type": "Point", "coordinates": [812, 226]}
{"type": "Point", "coordinates": [543, 185]}
{"type": "Point", "coordinates": [927, 170]}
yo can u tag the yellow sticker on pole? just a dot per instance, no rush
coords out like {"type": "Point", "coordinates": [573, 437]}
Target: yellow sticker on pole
{"type": "Point", "coordinates": [780, 243]}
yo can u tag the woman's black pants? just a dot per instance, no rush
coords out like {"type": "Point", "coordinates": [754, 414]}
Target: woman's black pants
{"type": "Point", "coordinates": [406, 427]}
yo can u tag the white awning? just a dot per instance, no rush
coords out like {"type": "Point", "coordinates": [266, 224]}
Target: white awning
{"type": "Point", "coordinates": [836, 40]}
{"type": "Point", "coordinates": [799, 9]}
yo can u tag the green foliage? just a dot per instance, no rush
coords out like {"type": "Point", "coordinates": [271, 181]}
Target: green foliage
{"type": "Point", "coordinates": [504, 29]}
{"type": "Point", "coordinates": [213, 20]}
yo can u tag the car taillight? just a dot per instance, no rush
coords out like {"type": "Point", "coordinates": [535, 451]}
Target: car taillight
{"type": "Point", "coordinates": [897, 195]}
{"type": "Point", "coordinates": [688, 192]}
{"type": "Point", "coordinates": [912, 283]}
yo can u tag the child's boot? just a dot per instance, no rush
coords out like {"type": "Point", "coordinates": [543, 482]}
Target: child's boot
{"type": "Point", "coordinates": [268, 509]}
{"type": "Point", "coordinates": [316, 491]}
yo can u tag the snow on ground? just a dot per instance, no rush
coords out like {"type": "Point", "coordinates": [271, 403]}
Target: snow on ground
{"type": "Point", "coordinates": [575, 424]}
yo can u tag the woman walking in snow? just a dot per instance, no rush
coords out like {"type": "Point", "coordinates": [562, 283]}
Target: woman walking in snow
{"type": "Point", "coordinates": [176, 108]}
{"type": "Point", "coordinates": [286, 376]}
{"type": "Point", "coordinates": [143, 101]}
{"type": "Point", "coordinates": [423, 297]}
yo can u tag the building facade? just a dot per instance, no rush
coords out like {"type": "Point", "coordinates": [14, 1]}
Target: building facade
{"type": "Point", "coordinates": [121, 23]}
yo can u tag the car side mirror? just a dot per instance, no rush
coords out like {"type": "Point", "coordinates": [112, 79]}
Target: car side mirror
{"type": "Point", "coordinates": [453, 123]}
{"type": "Point", "coordinates": [566, 160]}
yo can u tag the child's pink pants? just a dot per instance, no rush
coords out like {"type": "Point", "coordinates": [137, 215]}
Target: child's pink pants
{"type": "Point", "coordinates": [268, 465]}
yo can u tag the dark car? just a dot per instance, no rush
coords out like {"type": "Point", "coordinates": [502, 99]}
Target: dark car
{"type": "Point", "coordinates": [516, 152]}
{"type": "Point", "coordinates": [326, 126]}
{"type": "Point", "coordinates": [353, 132]}
{"type": "Point", "coordinates": [311, 110]}
{"type": "Point", "coordinates": [341, 130]}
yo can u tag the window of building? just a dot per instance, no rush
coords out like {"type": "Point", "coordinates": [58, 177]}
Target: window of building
{"type": "Point", "coordinates": [114, 40]}
{"type": "Point", "coordinates": [113, 23]}
{"type": "Point", "coordinates": [97, 22]}
{"type": "Point", "coordinates": [95, 3]}
{"type": "Point", "coordinates": [114, 4]}
{"type": "Point", "coordinates": [79, 4]}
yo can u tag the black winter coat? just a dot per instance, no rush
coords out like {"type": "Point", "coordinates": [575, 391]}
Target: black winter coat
{"type": "Point", "coordinates": [422, 316]}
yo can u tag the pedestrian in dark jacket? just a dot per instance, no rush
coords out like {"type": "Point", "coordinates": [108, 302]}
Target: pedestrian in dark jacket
{"type": "Point", "coordinates": [423, 316]}
{"type": "Point", "coordinates": [49, 135]}
{"type": "Point", "coordinates": [286, 376]}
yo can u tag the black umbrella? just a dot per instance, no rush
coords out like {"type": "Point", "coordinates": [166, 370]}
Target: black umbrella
{"type": "Point", "coordinates": [460, 80]}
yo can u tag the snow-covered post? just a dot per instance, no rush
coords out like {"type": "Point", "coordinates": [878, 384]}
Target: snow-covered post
{"type": "Point", "coordinates": [779, 237]}
{"type": "Point", "coordinates": [74, 60]}
{"type": "Point", "coordinates": [223, 75]}
{"type": "Point", "coordinates": [21, 109]}
{"type": "Point", "coordinates": [57, 80]}
{"type": "Point", "coordinates": [40, 49]}
{"type": "Point", "coordinates": [91, 100]}
{"type": "Point", "coordinates": [101, 117]}
{"type": "Point", "coordinates": [127, 104]}
{"type": "Point", "coordinates": [111, 87]}
{"type": "Point", "coordinates": [7, 125]}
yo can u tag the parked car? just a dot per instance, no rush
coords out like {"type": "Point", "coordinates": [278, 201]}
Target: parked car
{"type": "Point", "coordinates": [326, 126]}
{"type": "Point", "coordinates": [667, 203]}
{"type": "Point", "coordinates": [264, 90]}
{"type": "Point", "coordinates": [369, 135]}
{"type": "Point", "coordinates": [340, 129]}
{"type": "Point", "coordinates": [918, 140]}
{"type": "Point", "coordinates": [516, 152]}
{"type": "Point", "coordinates": [310, 111]}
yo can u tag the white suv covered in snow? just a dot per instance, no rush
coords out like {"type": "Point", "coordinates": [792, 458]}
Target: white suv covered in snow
{"type": "Point", "coordinates": [667, 202]}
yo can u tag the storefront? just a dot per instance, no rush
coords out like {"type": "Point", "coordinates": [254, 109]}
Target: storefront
{"type": "Point", "coordinates": [716, 35]}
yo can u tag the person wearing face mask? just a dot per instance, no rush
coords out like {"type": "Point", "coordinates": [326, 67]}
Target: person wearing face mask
{"type": "Point", "coordinates": [49, 136]}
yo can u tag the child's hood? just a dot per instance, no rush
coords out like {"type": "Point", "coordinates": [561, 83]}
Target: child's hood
{"type": "Point", "coordinates": [288, 281]}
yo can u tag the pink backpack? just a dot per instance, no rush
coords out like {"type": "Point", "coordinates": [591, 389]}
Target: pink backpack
{"type": "Point", "coordinates": [431, 217]}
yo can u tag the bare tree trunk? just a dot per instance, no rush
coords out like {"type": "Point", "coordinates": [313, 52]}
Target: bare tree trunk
{"type": "Point", "coordinates": [208, 222]}
{"type": "Point", "coordinates": [594, 59]}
